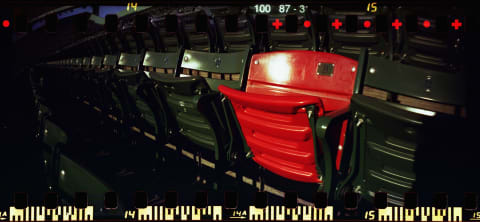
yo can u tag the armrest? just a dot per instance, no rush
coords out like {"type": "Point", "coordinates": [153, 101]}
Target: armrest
{"type": "Point", "coordinates": [277, 104]}
{"type": "Point", "coordinates": [324, 122]}
{"type": "Point", "coordinates": [323, 125]}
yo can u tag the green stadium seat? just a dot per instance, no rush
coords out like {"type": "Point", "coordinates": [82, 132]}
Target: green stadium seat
{"type": "Point", "coordinates": [302, 39]}
{"type": "Point", "coordinates": [168, 40]}
{"type": "Point", "coordinates": [193, 98]}
{"type": "Point", "coordinates": [158, 65]}
{"type": "Point", "coordinates": [243, 38]}
{"type": "Point", "coordinates": [431, 47]}
{"type": "Point", "coordinates": [193, 38]}
{"type": "Point", "coordinates": [137, 96]}
{"type": "Point", "coordinates": [349, 42]}
{"type": "Point", "coordinates": [396, 138]}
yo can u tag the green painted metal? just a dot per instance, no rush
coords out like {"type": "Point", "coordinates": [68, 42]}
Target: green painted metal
{"type": "Point", "coordinates": [132, 60]}
{"type": "Point", "coordinates": [361, 69]}
{"type": "Point", "coordinates": [387, 136]}
{"type": "Point", "coordinates": [86, 61]}
{"type": "Point", "coordinates": [118, 108]}
{"type": "Point", "coordinates": [144, 107]}
{"type": "Point", "coordinates": [74, 178]}
{"type": "Point", "coordinates": [166, 123]}
{"type": "Point", "coordinates": [53, 134]}
{"type": "Point", "coordinates": [238, 146]}
{"type": "Point", "coordinates": [415, 82]}
{"type": "Point", "coordinates": [132, 11]}
{"type": "Point", "coordinates": [96, 61]}
{"type": "Point", "coordinates": [110, 60]}
{"type": "Point", "coordinates": [78, 61]}
{"type": "Point", "coordinates": [324, 128]}
{"type": "Point", "coordinates": [161, 59]}
{"type": "Point", "coordinates": [97, 19]}
{"type": "Point", "coordinates": [188, 86]}
{"type": "Point", "coordinates": [195, 101]}
{"type": "Point", "coordinates": [125, 84]}
{"type": "Point", "coordinates": [235, 62]}
{"type": "Point", "coordinates": [140, 101]}
{"type": "Point", "coordinates": [191, 113]}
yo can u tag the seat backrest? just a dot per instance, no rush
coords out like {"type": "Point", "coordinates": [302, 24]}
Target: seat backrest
{"type": "Point", "coordinates": [417, 87]}
{"type": "Point", "coordinates": [78, 62]}
{"type": "Point", "coordinates": [104, 44]}
{"type": "Point", "coordinates": [96, 61]}
{"type": "Point", "coordinates": [191, 20]}
{"type": "Point", "coordinates": [216, 68]}
{"type": "Point", "coordinates": [110, 61]}
{"type": "Point", "coordinates": [93, 46]}
{"type": "Point", "coordinates": [149, 41]}
{"type": "Point", "coordinates": [328, 76]}
{"type": "Point", "coordinates": [229, 37]}
{"type": "Point", "coordinates": [394, 140]}
{"type": "Point", "coordinates": [116, 43]}
{"type": "Point", "coordinates": [86, 61]}
{"type": "Point", "coordinates": [133, 41]}
{"type": "Point", "coordinates": [429, 47]}
{"type": "Point", "coordinates": [349, 41]}
{"type": "Point", "coordinates": [160, 62]}
{"type": "Point", "coordinates": [129, 62]}
{"type": "Point", "coordinates": [169, 40]}
{"type": "Point", "coordinates": [279, 39]}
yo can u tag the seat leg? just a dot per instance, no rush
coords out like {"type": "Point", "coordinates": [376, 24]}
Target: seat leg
{"type": "Point", "coordinates": [261, 178]}
{"type": "Point", "coordinates": [218, 184]}
{"type": "Point", "coordinates": [197, 162]}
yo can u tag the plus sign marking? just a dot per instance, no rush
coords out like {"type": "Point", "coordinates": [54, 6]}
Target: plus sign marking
{"type": "Point", "coordinates": [396, 24]}
{"type": "Point", "coordinates": [277, 24]}
{"type": "Point", "coordinates": [336, 24]}
{"type": "Point", "coordinates": [456, 24]}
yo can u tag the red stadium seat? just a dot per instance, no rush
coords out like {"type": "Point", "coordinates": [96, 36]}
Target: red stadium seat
{"type": "Point", "coordinates": [283, 89]}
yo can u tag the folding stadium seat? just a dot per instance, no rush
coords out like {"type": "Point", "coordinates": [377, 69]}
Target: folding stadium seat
{"type": "Point", "coordinates": [74, 74]}
{"type": "Point", "coordinates": [301, 39]}
{"type": "Point", "coordinates": [401, 145]}
{"type": "Point", "coordinates": [149, 39]}
{"type": "Point", "coordinates": [96, 82]}
{"type": "Point", "coordinates": [137, 95]}
{"type": "Point", "coordinates": [159, 65]}
{"type": "Point", "coordinates": [104, 44]}
{"type": "Point", "coordinates": [60, 80]}
{"type": "Point", "coordinates": [430, 46]}
{"type": "Point", "coordinates": [169, 39]}
{"type": "Point", "coordinates": [83, 85]}
{"type": "Point", "coordinates": [62, 172]}
{"type": "Point", "coordinates": [134, 43]}
{"type": "Point", "coordinates": [139, 41]}
{"type": "Point", "coordinates": [235, 30]}
{"type": "Point", "coordinates": [51, 135]}
{"type": "Point", "coordinates": [111, 103]}
{"type": "Point", "coordinates": [116, 43]}
{"type": "Point", "coordinates": [364, 31]}
{"type": "Point", "coordinates": [294, 111]}
{"type": "Point", "coordinates": [196, 30]}
{"type": "Point", "coordinates": [194, 100]}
